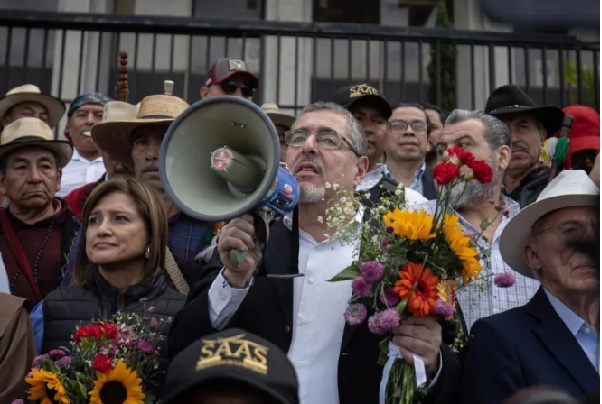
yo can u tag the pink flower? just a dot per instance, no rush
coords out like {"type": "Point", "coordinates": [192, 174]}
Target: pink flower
{"type": "Point", "coordinates": [371, 271]}
{"type": "Point", "coordinates": [374, 325]}
{"type": "Point", "coordinates": [64, 362]}
{"type": "Point", "coordinates": [355, 314]}
{"type": "Point", "coordinates": [145, 346]}
{"type": "Point", "coordinates": [469, 233]}
{"type": "Point", "coordinates": [37, 361]}
{"type": "Point", "coordinates": [388, 319]}
{"type": "Point", "coordinates": [384, 242]}
{"type": "Point", "coordinates": [125, 329]}
{"type": "Point", "coordinates": [57, 352]}
{"type": "Point", "coordinates": [443, 309]}
{"type": "Point", "coordinates": [504, 280]}
{"type": "Point", "coordinates": [360, 287]}
{"type": "Point", "coordinates": [389, 297]}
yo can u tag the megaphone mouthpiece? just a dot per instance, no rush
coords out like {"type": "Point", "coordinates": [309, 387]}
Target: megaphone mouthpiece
{"type": "Point", "coordinates": [240, 171]}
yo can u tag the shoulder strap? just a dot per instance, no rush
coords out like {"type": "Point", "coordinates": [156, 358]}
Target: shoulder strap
{"type": "Point", "coordinates": [17, 251]}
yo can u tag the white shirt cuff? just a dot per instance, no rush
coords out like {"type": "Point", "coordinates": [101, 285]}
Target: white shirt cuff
{"type": "Point", "coordinates": [432, 383]}
{"type": "Point", "coordinates": [224, 300]}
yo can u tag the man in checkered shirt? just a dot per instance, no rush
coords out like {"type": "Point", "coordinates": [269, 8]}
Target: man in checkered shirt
{"type": "Point", "coordinates": [488, 139]}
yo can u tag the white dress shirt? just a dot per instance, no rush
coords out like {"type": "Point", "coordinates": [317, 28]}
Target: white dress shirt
{"type": "Point", "coordinates": [4, 284]}
{"type": "Point", "coordinates": [372, 178]}
{"type": "Point", "coordinates": [80, 172]}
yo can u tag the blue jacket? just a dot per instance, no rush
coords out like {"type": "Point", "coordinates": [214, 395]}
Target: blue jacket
{"type": "Point", "coordinates": [524, 347]}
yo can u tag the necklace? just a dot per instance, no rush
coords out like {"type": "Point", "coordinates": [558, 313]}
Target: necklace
{"type": "Point", "coordinates": [37, 261]}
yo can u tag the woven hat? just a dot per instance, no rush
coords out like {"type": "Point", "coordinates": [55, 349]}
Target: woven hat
{"type": "Point", "coordinates": [116, 111]}
{"type": "Point", "coordinates": [570, 188]}
{"type": "Point", "coordinates": [115, 137]}
{"type": "Point", "coordinates": [29, 92]}
{"type": "Point", "coordinates": [30, 132]}
{"type": "Point", "coordinates": [277, 116]}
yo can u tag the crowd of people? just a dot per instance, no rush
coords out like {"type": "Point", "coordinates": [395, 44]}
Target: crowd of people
{"type": "Point", "coordinates": [87, 231]}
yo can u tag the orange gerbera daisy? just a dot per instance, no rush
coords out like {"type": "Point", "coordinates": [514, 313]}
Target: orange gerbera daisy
{"type": "Point", "coordinates": [421, 299]}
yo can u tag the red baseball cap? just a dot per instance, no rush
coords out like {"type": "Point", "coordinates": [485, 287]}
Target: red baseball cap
{"type": "Point", "coordinates": [225, 68]}
{"type": "Point", "coordinates": [585, 132]}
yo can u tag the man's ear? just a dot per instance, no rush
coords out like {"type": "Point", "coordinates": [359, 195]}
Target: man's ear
{"type": "Point", "coordinates": [204, 92]}
{"type": "Point", "coordinates": [504, 153]}
{"type": "Point", "coordinates": [532, 258]}
{"type": "Point", "coordinates": [362, 167]}
{"type": "Point", "coordinates": [543, 135]}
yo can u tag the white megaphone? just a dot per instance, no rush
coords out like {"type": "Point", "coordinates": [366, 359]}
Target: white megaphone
{"type": "Point", "coordinates": [220, 159]}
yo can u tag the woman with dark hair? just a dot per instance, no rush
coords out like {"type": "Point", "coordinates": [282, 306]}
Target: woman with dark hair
{"type": "Point", "coordinates": [119, 266]}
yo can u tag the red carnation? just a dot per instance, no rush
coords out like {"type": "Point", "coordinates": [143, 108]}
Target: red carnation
{"type": "Point", "coordinates": [110, 330]}
{"type": "Point", "coordinates": [464, 156]}
{"type": "Point", "coordinates": [102, 363]}
{"type": "Point", "coordinates": [446, 172]}
{"type": "Point", "coordinates": [88, 331]}
{"type": "Point", "coordinates": [482, 172]}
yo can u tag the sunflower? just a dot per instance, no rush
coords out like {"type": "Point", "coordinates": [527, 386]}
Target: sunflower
{"type": "Point", "coordinates": [413, 225]}
{"type": "Point", "coordinates": [446, 291]}
{"type": "Point", "coordinates": [462, 246]}
{"type": "Point", "coordinates": [120, 386]}
{"type": "Point", "coordinates": [46, 386]}
{"type": "Point", "coordinates": [421, 300]}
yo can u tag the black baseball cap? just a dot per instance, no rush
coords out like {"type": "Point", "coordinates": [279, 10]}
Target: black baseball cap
{"type": "Point", "coordinates": [225, 68]}
{"type": "Point", "coordinates": [232, 355]}
{"type": "Point", "coordinates": [362, 94]}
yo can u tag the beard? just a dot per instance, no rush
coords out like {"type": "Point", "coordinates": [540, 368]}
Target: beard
{"type": "Point", "coordinates": [473, 192]}
{"type": "Point", "coordinates": [311, 194]}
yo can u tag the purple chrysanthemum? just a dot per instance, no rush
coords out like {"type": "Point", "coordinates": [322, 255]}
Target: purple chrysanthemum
{"type": "Point", "coordinates": [355, 314]}
{"type": "Point", "coordinates": [384, 242]}
{"type": "Point", "coordinates": [444, 309]}
{"type": "Point", "coordinates": [504, 280]}
{"type": "Point", "coordinates": [37, 361]}
{"type": "Point", "coordinates": [360, 287]}
{"type": "Point", "coordinates": [59, 353]}
{"type": "Point", "coordinates": [64, 362]}
{"type": "Point", "coordinates": [145, 346]}
{"type": "Point", "coordinates": [388, 319]}
{"type": "Point", "coordinates": [389, 298]}
{"type": "Point", "coordinates": [374, 325]}
{"type": "Point", "coordinates": [371, 271]}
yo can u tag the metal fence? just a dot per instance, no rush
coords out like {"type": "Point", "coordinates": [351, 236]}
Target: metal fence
{"type": "Point", "coordinates": [67, 54]}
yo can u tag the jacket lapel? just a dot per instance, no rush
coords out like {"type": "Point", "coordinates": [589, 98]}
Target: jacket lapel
{"type": "Point", "coordinates": [561, 344]}
{"type": "Point", "coordinates": [428, 185]}
{"type": "Point", "coordinates": [277, 261]}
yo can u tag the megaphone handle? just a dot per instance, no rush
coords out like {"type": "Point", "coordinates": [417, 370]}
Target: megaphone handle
{"type": "Point", "coordinates": [261, 228]}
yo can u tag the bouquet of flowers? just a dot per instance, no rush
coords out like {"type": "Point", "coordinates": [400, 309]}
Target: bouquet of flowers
{"type": "Point", "coordinates": [411, 263]}
{"type": "Point", "coordinates": [109, 362]}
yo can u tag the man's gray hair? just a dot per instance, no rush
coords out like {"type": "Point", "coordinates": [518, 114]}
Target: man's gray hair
{"type": "Point", "coordinates": [496, 132]}
{"type": "Point", "coordinates": [357, 137]}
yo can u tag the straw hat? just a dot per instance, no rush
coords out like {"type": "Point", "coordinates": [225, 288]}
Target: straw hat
{"type": "Point", "coordinates": [117, 111]}
{"type": "Point", "coordinates": [29, 132]}
{"type": "Point", "coordinates": [277, 116]}
{"type": "Point", "coordinates": [116, 137]}
{"type": "Point", "coordinates": [570, 188]}
{"type": "Point", "coordinates": [29, 92]}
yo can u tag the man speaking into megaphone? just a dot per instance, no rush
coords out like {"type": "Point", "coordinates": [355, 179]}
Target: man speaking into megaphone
{"type": "Point", "coordinates": [335, 363]}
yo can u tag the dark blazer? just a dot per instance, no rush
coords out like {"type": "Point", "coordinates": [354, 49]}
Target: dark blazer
{"type": "Point", "coordinates": [523, 347]}
{"type": "Point", "coordinates": [429, 191]}
{"type": "Point", "coordinates": [267, 311]}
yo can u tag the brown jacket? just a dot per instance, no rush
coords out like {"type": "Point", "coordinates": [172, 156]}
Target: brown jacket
{"type": "Point", "coordinates": [17, 347]}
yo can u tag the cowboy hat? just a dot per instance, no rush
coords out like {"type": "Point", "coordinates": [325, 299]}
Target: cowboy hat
{"type": "Point", "coordinates": [570, 188]}
{"type": "Point", "coordinates": [277, 116]}
{"type": "Point", "coordinates": [116, 137]}
{"type": "Point", "coordinates": [33, 132]}
{"type": "Point", "coordinates": [511, 100]}
{"type": "Point", "coordinates": [29, 92]}
{"type": "Point", "coordinates": [116, 111]}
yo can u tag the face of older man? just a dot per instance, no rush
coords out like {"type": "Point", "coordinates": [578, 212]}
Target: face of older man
{"type": "Point", "coordinates": [31, 178]}
{"type": "Point", "coordinates": [552, 252]}
{"type": "Point", "coordinates": [145, 154]}
{"type": "Point", "coordinates": [26, 109]}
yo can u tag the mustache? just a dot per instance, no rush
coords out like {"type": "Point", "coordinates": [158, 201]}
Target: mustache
{"type": "Point", "coordinates": [317, 163]}
{"type": "Point", "coordinates": [519, 147]}
{"type": "Point", "coordinates": [152, 166]}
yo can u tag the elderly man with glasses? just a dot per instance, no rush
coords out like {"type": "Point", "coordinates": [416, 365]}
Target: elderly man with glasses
{"type": "Point", "coordinates": [299, 310]}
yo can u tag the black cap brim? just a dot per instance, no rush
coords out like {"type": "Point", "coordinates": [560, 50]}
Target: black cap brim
{"type": "Point", "coordinates": [372, 100]}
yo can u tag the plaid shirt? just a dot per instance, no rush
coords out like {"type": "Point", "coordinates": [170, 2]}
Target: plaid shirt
{"type": "Point", "coordinates": [482, 298]}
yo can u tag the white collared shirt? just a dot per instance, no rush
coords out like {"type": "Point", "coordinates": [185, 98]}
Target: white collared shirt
{"type": "Point", "coordinates": [4, 283]}
{"type": "Point", "coordinates": [80, 172]}
{"type": "Point", "coordinates": [318, 308]}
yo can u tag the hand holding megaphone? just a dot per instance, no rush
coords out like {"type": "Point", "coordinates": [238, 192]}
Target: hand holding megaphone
{"type": "Point", "coordinates": [239, 235]}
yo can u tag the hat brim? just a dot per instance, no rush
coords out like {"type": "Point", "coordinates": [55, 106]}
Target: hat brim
{"type": "Point", "coordinates": [115, 138]}
{"type": "Point", "coordinates": [374, 101]}
{"type": "Point", "coordinates": [517, 232]}
{"type": "Point", "coordinates": [282, 119]}
{"type": "Point", "coordinates": [550, 117]}
{"type": "Point", "coordinates": [61, 148]}
{"type": "Point", "coordinates": [578, 144]}
{"type": "Point", "coordinates": [172, 396]}
{"type": "Point", "coordinates": [56, 108]}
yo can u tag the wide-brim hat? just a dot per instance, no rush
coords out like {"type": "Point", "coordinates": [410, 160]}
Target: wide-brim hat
{"type": "Point", "coordinates": [33, 132]}
{"type": "Point", "coordinates": [115, 137]}
{"type": "Point", "coordinates": [29, 92]}
{"type": "Point", "coordinates": [511, 100]}
{"type": "Point", "coordinates": [277, 116]}
{"type": "Point", "coordinates": [571, 188]}
{"type": "Point", "coordinates": [362, 94]}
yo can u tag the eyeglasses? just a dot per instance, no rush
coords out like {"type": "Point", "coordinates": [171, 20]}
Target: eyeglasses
{"type": "Point", "coordinates": [569, 233]}
{"type": "Point", "coordinates": [402, 126]}
{"type": "Point", "coordinates": [327, 140]}
{"type": "Point", "coordinates": [229, 87]}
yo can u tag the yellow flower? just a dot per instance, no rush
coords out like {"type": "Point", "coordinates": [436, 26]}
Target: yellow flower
{"type": "Point", "coordinates": [121, 381]}
{"type": "Point", "coordinates": [462, 246]}
{"type": "Point", "coordinates": [45, 384]}
{"type": "Point", "coordinates": [412, 225]}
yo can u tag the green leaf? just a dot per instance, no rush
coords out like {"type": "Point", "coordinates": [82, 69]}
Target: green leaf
{"type": "Point", "coordinates": [347, 274]}
{"type": "Point", "coordinates": [401, 306]}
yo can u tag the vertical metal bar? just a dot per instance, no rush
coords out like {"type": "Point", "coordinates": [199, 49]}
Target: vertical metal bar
{"type": "Point", "coordinates": [491, 63]}
{"type": "Point", "coordinates": [561, 76]}
{"type": "Point", "coordinates": [9, 41]}
{"type": "Point", "coordinates": [527, 70]}
{"type": "Point", "coordinates": [153, 53]}
{"type": "Point", "coordinates": [510, 64]}
{"type": "Point", "coordinates": [596, 67]}
{"type": "Point", "coordinates": [314, 78]}
{"type": "Point", "coordinates": [63, 40]}
{"type": "Point", "coordinates": [188, 72]}
{"type": "Point", "coordinates": [278, 47]}
{"type": "Point", "coordinates": [349, 59]}
{"type": "Point", "coordinates": [208, 60]}
{"type": "Point", "coordinates": [171, 56]}
{"type": "Point", "coordinates": [544, 68]}
{"type": "Point", "coordinates": [439, 75]}
{"type": "Point", "coordinates": [243, 38]}
{"type": "Point", "coordinates": [420, 74]}
{"type": "Point", "coordinates": [98, 59]}
{"type": "Point", "coordinates": [473, 97]}
{"type": "Point", "coordinates": [135, 95]}
{"type": "Point", "coordinates": [385, 59]}
{"type": "Point", "coordinates": [579, 77]}
{"type": "Point", "coordinates": [227, 46]}
{"type": "Point", "coordinates": [402, 54]}
{"type": "Point", "coordinates": [82, 37]}
{"type": "Point", "coordinates": [26, 54]}
{"type": "Point", "coordinates": [44, 53]}
{"type": "Point", "coordinates": [332, 59]}
{"type": "Point", "coordinates": [368, 75]}
{"type": "Point", "coordinates": [296, 70]}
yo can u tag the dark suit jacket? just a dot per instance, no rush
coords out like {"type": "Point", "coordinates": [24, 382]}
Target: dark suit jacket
{"type": "Point", "coordinates": [524, 347]}
{"type": "Point", "coordinates": [267, 311]}
{"type": "Point", "coordinates": [429, 191]}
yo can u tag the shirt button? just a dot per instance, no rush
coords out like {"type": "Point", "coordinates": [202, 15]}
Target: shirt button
{"type": "Point", "coordinates": [312, 280]}
{"type": "Point", "coordinates": [587, 330]}
{"type": "Point", "coordinates": [287, 329]}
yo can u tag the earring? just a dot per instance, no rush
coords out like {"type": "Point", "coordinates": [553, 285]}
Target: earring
{"type": "Point", "coordinates": [147, 252]}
